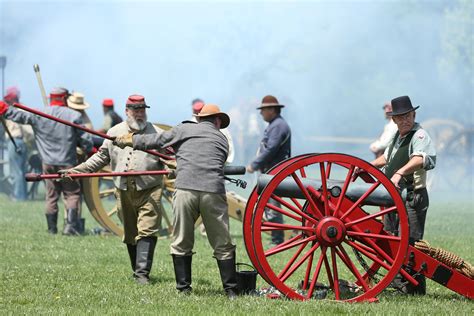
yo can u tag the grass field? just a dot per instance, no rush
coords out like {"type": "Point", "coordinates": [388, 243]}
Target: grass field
{"type": "Point", "coordinates": [43, 274]}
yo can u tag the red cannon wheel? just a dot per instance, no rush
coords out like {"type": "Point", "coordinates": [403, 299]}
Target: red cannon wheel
{"type": "Point", "coordinates": [249, 214]}
{"type": "Point", "coordinates": [331, 221]}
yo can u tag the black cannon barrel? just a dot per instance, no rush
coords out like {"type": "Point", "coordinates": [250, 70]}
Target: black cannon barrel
{"type": "Point", "coordinates": [289, 188]}
{"type": "Point", "coordinates": [234, 170]}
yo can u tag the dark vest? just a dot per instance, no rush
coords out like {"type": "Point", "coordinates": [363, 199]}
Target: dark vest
{"type": "Point", "coordinates": [400, 158]}
{"type": "Point", "coordinates": [115, 118]}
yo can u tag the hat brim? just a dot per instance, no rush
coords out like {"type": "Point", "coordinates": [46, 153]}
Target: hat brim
{"type": "Point", "coordinates": [225, 119]}
{"type": "Point", "coordinates": [270, 106]}
{"type": "Point", "coordinates": [403, 112]}
{"type": "Point", "coordinates": [77, 106]}
{"type": "Point", "coordinates": [135, 107]}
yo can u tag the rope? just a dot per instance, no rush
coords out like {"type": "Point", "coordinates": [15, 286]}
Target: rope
{"type": "Point", "coordinates": [446, 257]}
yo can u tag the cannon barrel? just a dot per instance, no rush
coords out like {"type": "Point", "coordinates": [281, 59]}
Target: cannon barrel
{"type": "Point", "coordinates": [234, 170]}
{"type": "Point", "coordinates": [289, 188]}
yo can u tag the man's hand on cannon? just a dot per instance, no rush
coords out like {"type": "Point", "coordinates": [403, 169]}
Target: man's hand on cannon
{"type": "Point", "coordinates": [123, 141]}
{"type": "Point", "coordinates": [3, 107]}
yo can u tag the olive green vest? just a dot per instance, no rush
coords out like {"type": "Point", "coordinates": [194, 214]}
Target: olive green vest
{"type": "Point", "coordinates": [400, 158]}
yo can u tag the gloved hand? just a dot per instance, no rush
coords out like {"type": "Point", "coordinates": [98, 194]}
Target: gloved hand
{"type": "Point", "coordinates": [3, 107]}
{"type": "Point", "coordinates": [123, 141]}
{"type": "Point", "coordinates": [65, 173]}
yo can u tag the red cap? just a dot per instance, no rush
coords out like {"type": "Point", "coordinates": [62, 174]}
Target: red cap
{"type": "Point", "coordinates": [197, 106]}
{"type": "Point", "coordinates": [108, 102]}
{"type": "Point", "coordinates": [57, 96]}
{"type": "Point", "coordinates": [136, 101]}
{"type": "Point", "coordinates": [13, 94]}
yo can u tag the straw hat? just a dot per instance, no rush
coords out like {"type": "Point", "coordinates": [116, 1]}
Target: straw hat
{"type": "Point", "coordinates": [212, 109]}
{"type": "Point", "coordinates": [76, 101]}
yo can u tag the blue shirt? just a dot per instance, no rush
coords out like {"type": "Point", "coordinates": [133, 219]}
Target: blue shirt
{"type": "Point", "coordinates": [275, 145]}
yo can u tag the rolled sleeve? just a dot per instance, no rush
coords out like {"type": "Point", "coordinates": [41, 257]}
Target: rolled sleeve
{"type": "Point", "coordinates": [423, 146]}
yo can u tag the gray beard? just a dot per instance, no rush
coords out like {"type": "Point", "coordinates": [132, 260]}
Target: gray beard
{"type": "Point", "coordinates": [135, 124]}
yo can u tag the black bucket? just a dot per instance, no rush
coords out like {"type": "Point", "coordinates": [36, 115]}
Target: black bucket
{"type": "Point", "coordinates": [246, 279]}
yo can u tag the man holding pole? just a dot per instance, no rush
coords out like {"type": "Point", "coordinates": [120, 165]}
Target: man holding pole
{"type": "Point", "coordinates": [201, 151]}
{"type": "Point", "coordinates": [138, 197]}
{"type": "Point", "coordinates": [57, 148]}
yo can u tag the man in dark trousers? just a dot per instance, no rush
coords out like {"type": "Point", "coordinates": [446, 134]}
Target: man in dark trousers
{"type": "Point", "coordinates": [56, 144]}
{"type": "Point", "coordinates": [201, 151]}
{"type": "Point", "coordinates": [407, 158]}
{"type": "Point", "coordinates": [274, 148]}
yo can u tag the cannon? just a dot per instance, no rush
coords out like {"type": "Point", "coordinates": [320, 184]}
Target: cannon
{"type": "Point", "coordinates": [333, 205]}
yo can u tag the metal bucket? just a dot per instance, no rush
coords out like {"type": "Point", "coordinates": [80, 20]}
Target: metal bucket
{"type": "Point", "coordinates": [246, 279]}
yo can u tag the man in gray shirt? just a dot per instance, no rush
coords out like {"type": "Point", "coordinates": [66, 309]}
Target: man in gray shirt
{"type": "Point", "coordinates": [56, 144]}
{"type": "Point", "coordinates": [407, 158]}
{"type": "Point", "coordinates": [201, 151]}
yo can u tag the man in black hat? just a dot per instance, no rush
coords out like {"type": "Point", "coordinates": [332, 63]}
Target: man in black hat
{"type": "Point", "coordinates": [274, 148]}
{"type": "Point", "coordinates": [407, 158]}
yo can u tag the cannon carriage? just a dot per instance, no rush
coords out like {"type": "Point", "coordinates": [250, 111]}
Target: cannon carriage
{"type": "Point", "coordinates": [334, 206]}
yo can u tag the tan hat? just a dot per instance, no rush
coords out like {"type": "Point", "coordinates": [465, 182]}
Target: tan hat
{"type": "Point", "coordinates": [270, 101]}
{"type": "Point", "coordinates": [212, 109]}
{"type": "Point", "coordinates": [76, 101]}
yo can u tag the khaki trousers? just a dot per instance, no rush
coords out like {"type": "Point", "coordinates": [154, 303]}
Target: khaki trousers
{"type": "Point", "coordinates": [140, 211]}
{"type": "Point", "coordinates": [187, 206]}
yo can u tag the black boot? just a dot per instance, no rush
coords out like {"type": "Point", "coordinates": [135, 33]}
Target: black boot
{"type": "Point", "coordinates": [182, 273]}
{"type": "Point", "coordinates": [144, 260]}
{"type": "Point", "coordinates": [228, 277]}
{"type": "Point", "coordinates": [419, 289]}
{"type": "Point", "coordinates": [132, 254]}
{"type": "Point", "coordinates": [52, 220]}
{"type": "Point", "coordinates": [70, 229]}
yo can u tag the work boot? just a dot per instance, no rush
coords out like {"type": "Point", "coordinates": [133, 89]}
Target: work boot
{"type": "Point", "coordinates": [81, 225]}
{"type": "Point", "coordinates": [70, 229]}
{"type": "Point", "coordinates": [132, 254]}
{"type": "Point", "coordinates": [144, 259]}
{"type": "Point", "coordinates": [52, 221]}
{"type": "Point", "coordinates": [182, 273]}
{"type": "Point", "coordinates": [419, 289]}
{"type": "Point", "coordinates": [228, 277]}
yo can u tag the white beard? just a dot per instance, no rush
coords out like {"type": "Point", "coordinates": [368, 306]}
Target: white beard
{"type": "Point", "coordinates": [137, 125]}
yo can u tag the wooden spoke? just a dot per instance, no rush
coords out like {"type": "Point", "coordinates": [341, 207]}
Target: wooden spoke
{"type": "Point", "coordinates": [365, 218]}
{"type": "Point", "coordinates": [360, 200]}
{"type": "Point", "coordinates": [314, 207]}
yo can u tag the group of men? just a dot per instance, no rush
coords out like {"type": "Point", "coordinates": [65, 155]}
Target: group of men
{"type": "Point", "coordinates": [59, 147]}
{"type": "Point", "coordinates": [201, 150]}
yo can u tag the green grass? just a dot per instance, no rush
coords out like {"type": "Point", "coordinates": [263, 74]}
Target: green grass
{"type": "Point", "coordinates": [43, 274]}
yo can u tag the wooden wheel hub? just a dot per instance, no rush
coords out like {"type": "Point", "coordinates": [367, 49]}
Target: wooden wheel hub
{"type": "Point", "coordinates": [330, 231]}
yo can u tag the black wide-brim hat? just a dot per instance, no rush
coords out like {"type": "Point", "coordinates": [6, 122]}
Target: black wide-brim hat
{"type": "Point", "coordinates": [401, 105]}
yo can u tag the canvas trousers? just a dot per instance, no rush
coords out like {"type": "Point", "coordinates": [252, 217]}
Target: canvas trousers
{"type": "Point", "coordinates": [71, 190]}
{"type": "Point", "coordinates": [140, 211]}
{"type": "Point", "coordinates": [187, 206]}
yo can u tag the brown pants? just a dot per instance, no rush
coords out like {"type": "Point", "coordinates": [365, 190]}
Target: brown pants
{"type": "Point", "coordinates": [71, 190]}
{"type": "Point", "coordinates": [140, 211]}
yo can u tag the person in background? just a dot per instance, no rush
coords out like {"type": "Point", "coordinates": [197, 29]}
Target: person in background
{"type": "Point", "coordinates": [76, 102]}
{"type": "Point", "coordinates": [56, 144]}
{"type": "Point", "coordinates": [17, 156]}
{"type": "Point", "coordinates": [389, 130]}
{"type": "Point", "coordinates": [274, 148]}
{"type": "Point", "coordinates": [409, 155]}
{"type": "Point", "coordinates": [111, 118]}
{"type": "Point", "coordinates": [138, 197]}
